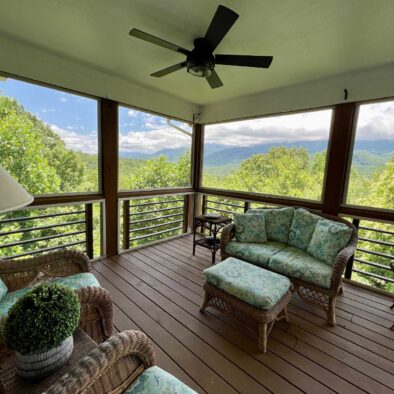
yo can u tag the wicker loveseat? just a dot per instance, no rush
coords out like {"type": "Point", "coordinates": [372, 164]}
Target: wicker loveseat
{"type": "Point", "coordinates": [96, 303]}
{"type": "Point", "coordinates": [315, 281]}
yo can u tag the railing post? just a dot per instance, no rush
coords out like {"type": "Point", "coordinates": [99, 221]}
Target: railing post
{"type": "Point", "coordinates": [126, 224]}
{"type": "Point", "coordinates": [89, 229]}
{"type": "Point", "coordinates": [186, 209]}
{"type": "Point", "coordinates": [246, 206]}
{"type": "Point", "coordinates": [349, 265]}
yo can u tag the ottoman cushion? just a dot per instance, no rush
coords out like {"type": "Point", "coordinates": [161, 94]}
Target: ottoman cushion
{"type": "Point", "coordinates": [253, 285]}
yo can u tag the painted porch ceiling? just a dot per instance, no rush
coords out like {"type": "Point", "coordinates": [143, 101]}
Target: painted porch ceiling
{"type": "Point", "coordinates": [309, 39]}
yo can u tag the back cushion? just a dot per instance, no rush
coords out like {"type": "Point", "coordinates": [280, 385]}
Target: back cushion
{"type": "Point", "coordinates": [302, 228]}
{"type": "Point", "coordinates": [3, 289]}
{"type": "Point", "coordinates": [277, 222]}
{"type": "Point", "coordinates": [250, 228]}
{"type": "Point", "coordinates": [328, 239]}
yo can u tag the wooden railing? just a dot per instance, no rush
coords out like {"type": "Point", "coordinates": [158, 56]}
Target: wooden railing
{"type": "Point", "coordinates": [31, 232]}
{"type": "Point", "coordinates": [146, 220]}
{"type": "Point", "coordinates": [371, 263]}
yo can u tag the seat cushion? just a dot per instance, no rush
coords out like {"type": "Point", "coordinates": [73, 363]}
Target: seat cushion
{"type": "Point", "coordinates": [76, 282]}
{"type": "Point", "coordinates": [328, 239]}
{"type": "Point", "coordinates": [300, 265]}
{"type": "Point", "coordinates": [254, 285]}
{"type": "Point", "coordinates": [256, 253]}
{"type": "Point", "coordinates": [302, 228]}
{"type": "Point", "coordinates": [154, 380]}
{"type": "Point", "coordinates": [277, 222]}
{"type": "Point", "coordinates": [250, 228]}
{"type": "Point", "coordinates": [3, 289]}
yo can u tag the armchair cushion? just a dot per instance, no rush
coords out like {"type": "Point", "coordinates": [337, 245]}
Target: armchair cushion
{"type": "Point", "coordinates": [277, 222]}
{"type": "Point", "coordinates": [3, 289]}
{"type": "Point", "coordinates": [249, 228]}
{"type": "Point", "coordinates": [258, 287]}
{"type": "Point", "coordinates": [154, 380]}
{"type": "Point", "coordinates": [76, 282]}
{"type": "Point", "coordinates": [256, 253]}
{"type": "Point", "coordinates": [302, 228]}
{"type": "Point", "coordinates": [300, 265]}
{"type": "Point", "coordinates": [328, 239]}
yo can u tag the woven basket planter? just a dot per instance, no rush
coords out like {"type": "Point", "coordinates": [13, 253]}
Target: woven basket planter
{"type": "Point", "coordinates": [37, 365]}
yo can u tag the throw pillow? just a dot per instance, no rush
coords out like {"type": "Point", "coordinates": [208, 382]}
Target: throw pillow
{"type": "Point", "coordinates": [328, 239]}
{"type": "Point", "coordinates": [277, 222]}
{"type": "Point", "coordinates": [302, 228]}
{"type": "Point", "coordinates": [3, 289]}
{"type": "Point", "coordinates": [249, 228]}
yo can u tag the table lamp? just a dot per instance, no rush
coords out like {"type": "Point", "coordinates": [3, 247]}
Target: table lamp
{"type": "Point", "coordinates": [12, 195]}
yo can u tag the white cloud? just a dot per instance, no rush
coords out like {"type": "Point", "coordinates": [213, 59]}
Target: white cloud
{"type": "Point", "coordinates": [376, 121]}
{"type": "Point", "coordinates": [133, 113]}
{"type": "Point", "coordinates": [63, 99]}
{"type": "Point", "coordinates": [153, 140]}
{"type": "Point", "coordinates": [86, 143]}
{"type": "Point", "coordinates": [296, 127]}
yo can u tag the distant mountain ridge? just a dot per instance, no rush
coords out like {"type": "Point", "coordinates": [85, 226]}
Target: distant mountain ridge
{"type": "Point", "coordinates": [219, 154]}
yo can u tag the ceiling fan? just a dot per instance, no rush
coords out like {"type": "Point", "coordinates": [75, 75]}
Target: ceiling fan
{"type": "Point", "coordinates": [201, 61]}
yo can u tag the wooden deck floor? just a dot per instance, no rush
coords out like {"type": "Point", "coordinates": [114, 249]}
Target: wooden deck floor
{"type": "Point", "coordinates": [158, 290]}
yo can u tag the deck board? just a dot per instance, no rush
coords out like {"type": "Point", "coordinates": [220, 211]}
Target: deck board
{"type": "Point", "coordinates": [158, 289]}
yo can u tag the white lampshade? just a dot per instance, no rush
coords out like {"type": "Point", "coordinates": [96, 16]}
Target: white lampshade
{"type": "Point", "coordinates": [12, 194]}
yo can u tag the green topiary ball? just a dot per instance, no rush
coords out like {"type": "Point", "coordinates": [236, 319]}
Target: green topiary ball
{"type": "Point", "coordinates": [42, 319]}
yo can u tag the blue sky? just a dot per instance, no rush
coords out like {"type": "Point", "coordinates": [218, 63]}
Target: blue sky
{"type": "Point", "coordinates": [74, 118]}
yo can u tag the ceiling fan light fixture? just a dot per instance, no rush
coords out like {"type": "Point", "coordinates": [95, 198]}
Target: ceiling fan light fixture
{"type": "Point", "coordinates": [200, 70]}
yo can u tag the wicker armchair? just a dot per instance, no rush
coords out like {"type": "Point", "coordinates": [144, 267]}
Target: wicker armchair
{"type": "Point", "coordinates": [111, 368]}
{"type": "Point", "coordinates": [319, 296]}
{"type": "Point", "coordinates": [96, 303]}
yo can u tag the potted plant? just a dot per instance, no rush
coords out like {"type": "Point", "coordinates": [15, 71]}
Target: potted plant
{"type": "Point", "coordinates": [39, 329]}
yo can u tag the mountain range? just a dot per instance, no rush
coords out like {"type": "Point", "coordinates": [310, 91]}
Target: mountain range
{"type": "Point", "coordinates": [367, 154]}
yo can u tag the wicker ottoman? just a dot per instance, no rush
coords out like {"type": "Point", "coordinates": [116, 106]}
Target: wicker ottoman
{"type": "Point", "coordinates": [252, 294]}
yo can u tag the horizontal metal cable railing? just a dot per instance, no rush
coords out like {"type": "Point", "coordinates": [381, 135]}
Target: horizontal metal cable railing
{"type": "Point", "coordinates": [38, 230]}
{"type": "Point", "coordinates": [154, 218]}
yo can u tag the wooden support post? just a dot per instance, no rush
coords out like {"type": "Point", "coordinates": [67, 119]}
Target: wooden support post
{"type": "Point", "coordinates": [109, 172]}
{"type": "Point", "coordinates": [126, 224]}
{"type": "Point", "coordinates": [89, 229]}
{"type": "Point", "coordinates": [338, 157]}
{"type": "Point", "coordinates": [246, 206]}
{"type": "Point", "coordinates": [204, 204]}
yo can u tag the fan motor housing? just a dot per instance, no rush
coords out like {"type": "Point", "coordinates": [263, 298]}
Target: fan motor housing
{"type": "Point", "coordinates": [200, 62]}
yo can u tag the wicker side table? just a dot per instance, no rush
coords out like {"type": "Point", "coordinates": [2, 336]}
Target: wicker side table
{"type": "Point", "coordinates": [11, 383]}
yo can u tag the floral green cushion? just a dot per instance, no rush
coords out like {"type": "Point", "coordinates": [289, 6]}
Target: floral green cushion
{"type": "Point", "coordinates": [249, 228]}
{"type": "Point", "coordinates": [3, 289]}
{"type": "Point", "coordinates": [254, 285]}
{"type": "Point", "coordinates": [9, 299]}
{"type": "Point", "coordinates": [328, 239]}
{"type": "Point", "coordinates": [300, 265]}
{"type": "Point", "coordinates": [277, 222]}
{"type": "Point", "coordinates": [154, 380]}
{"type": "Point", "coordinates": [256, 253]}
{"type": "Point", "coordinates": [76, 282]}
{"type": "Point", "coordinates": [302, 228]}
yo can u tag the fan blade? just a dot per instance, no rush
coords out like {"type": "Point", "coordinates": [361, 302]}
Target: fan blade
{"type": "Point", "coordinates": [214, 80]}
{"type": "Point", "coordinates": [157, 41]}
{"type": "Point", "coordinates": [168, 70]}
{"type": "Point", "coordinates": [221, 23]}
{"type": "Point", "coordinates": [244, 60]}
